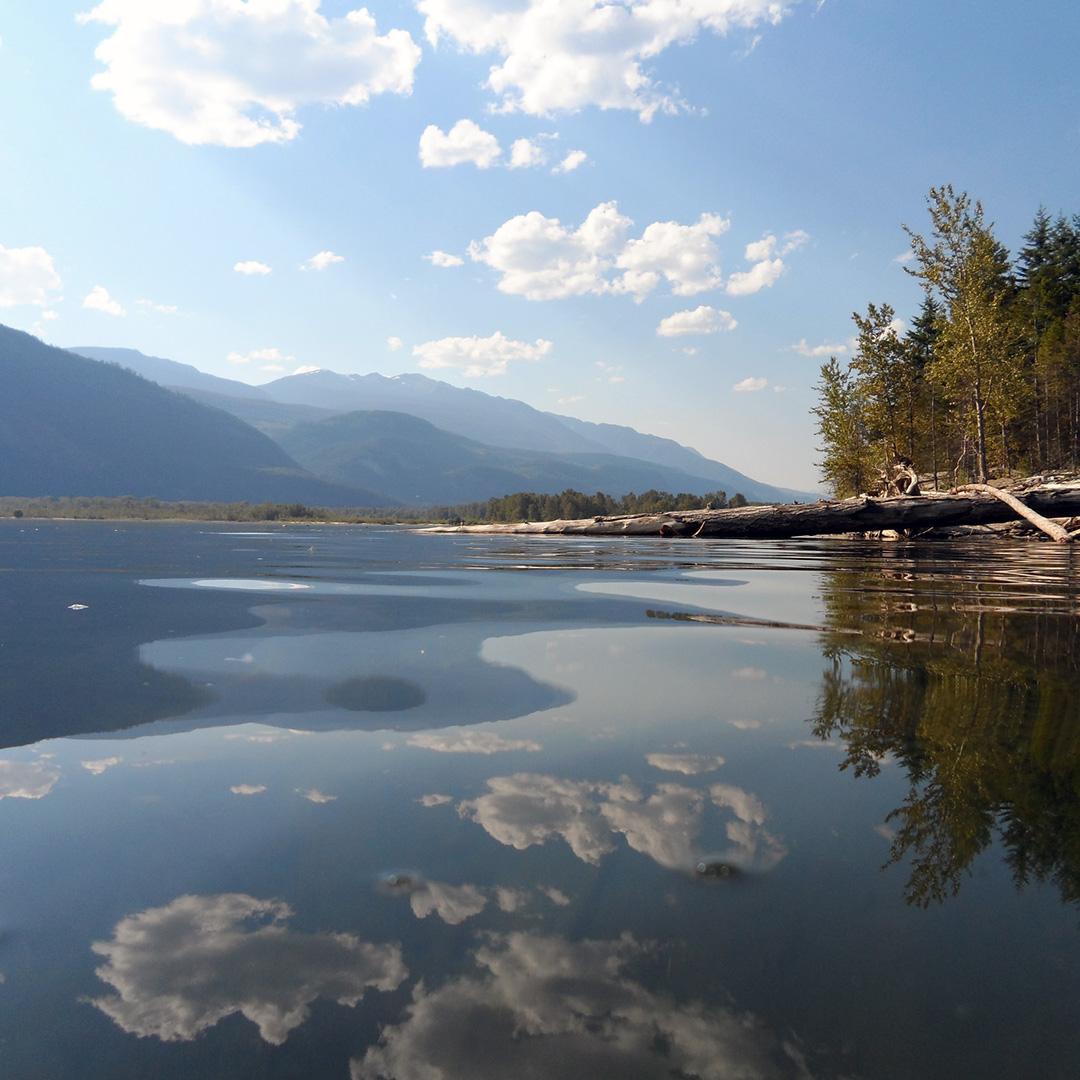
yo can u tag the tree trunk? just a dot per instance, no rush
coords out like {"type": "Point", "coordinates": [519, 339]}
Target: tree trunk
{"type": "Point", "coordinates": [862, 514]}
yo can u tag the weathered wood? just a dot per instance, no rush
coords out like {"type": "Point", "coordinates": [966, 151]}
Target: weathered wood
{"type": "Point", "coordinates": [913, 513]}
{"type": "Point", "coordinates": [1051, 528]}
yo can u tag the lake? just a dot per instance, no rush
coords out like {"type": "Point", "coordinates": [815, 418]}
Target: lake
{"type": "Point", "coordinates": [359, 803]}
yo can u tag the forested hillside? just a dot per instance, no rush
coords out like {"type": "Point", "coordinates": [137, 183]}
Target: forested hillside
{"type": "Point", "coordinates": [986, 382]}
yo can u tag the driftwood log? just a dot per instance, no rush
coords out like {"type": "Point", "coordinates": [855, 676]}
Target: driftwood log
{"type": "Point", "coordinates": [913, 514]}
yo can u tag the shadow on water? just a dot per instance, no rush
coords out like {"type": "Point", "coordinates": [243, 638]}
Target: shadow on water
{"type": "Point", "coordinates": [971, 683]}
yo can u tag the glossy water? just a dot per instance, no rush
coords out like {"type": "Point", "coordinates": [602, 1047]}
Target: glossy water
{"type": "Point", "coordinates": [356, 802]}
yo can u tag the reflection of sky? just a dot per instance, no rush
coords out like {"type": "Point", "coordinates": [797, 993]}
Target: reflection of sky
{"type": "Point", "coordinates": [528, 809]}
{"type": "Point", "coordinates": [27, 779]}
{"type": "Point", "coordinates": [181, 968]}
{"type": "Point", "coordinates": [542, 1006]}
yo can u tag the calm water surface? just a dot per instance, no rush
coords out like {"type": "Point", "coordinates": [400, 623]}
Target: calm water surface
{"type": "Point", "coordinates": [360, 803]}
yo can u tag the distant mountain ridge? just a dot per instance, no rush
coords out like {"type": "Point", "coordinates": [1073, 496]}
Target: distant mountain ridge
{"type": "Point", "coordinates": [73, 426]}
{"type": "Point", "coordinates": [276, 407]}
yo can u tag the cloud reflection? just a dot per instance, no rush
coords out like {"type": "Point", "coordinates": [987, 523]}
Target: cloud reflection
{"type": "Point", "coordinates": [527, 809]}
{"type": "Point", "coordinates": [181, 968]}
{"type": "Point", "coordinates": [26, 779]}
{"type": "Point", "coordinates": [687, 764]}
{"type": "Point", "coordinates": [472, 742]}
{"type": "Point", "coordinates": [544, 1006]}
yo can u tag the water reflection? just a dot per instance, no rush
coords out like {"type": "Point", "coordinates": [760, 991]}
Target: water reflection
{"type": "Point", "coordinates": [181, 968]}
{"type": "Point", "coordinates": [972, 684]}
{"type": "Point", "coordinates": [27, 779]}
{"type": "Point", "coordinates": [527, 809]}
{"type": "Point", "coordinates": [542, 1006]}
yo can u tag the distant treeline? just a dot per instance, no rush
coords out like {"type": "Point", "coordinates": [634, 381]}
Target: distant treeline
{"type": "Point", "coordinates": [523, 506]}
{"type": "Point", "coordinates": [985, 381]}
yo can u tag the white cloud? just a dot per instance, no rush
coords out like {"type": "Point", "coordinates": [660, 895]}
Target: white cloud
{"type": "Point", "coordinates": [509, 900]}
{"type": "Point", "coordinates": [98, 299]}
{"type": "Point", "coordinates": [702, 320]}
{"type": "Point", "coordinates": [27, 276]}
{"type": "Point", "coordinates": [803, 349]}
{"type": "Point", "coordinates": [165, 309]}
{"type": "Point", "coordinates": [571, 161]}
{"type": "Point", "coordinates": [525, 154]}
{"type": "Point", "coordinates": [565, 56]}
{"type": "Point", "coordinates": [761, 276]}
{"type": "Point", "coordinates": [270, 356]}
{"type": "Point", "coordinates": [471, 742]}
{"type": "Point", "coordinates": [98, 767]}
{"type": "Point", "coordinates": [749, 385]}
{"type": "Point", "coordinates": [766, 269]}
{"type": "Point", "coordinates": [394, 343]}
{"type": "Point", "coordinates": [444, 259]}
{"type": "Point", "coordinates": [662, 826]}
{"type": "Point", "coordinates": [478, 356]}
{"type": "Point", "coordinates": [180, 969]}
{"type": "Point", "coordinates": [252, 267]}
{"type": "Point", "coordinates": [540, 259]}
{"type": "Point", "coordinates": [551, 1007]}
{"type": "Point", "coordinates": [26, 779]}
{"type": "Point", "coordinates": [248, 789]}
{"type": "Point", "coordinates": [687, 764]}
{"type": "Point", "coordinates": [306, 369]}
{"type": "Point", "coordinates": [322, 261]}
{"type": "Point", "coordinates": [234, 74]}
{"type": "Point", "coordinates": [465, 141]}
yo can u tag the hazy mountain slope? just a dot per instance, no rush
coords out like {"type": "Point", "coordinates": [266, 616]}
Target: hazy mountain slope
{"type": "Point", "coordinates": [421, 464]}
{"type": "Point", "coordinates": [629, 442]}
{"type": "Point", "coordinates": [271, 417]}
{"type": "Point", "coordinates": [74, 426]}
{"type": "Point", "coordinates": [170, 373]}
{"type": "Point", "coordinates": [472, 413]}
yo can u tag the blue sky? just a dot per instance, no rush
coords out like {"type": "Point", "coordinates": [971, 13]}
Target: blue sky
{"type": "Point", "coordinates": [659, 214]}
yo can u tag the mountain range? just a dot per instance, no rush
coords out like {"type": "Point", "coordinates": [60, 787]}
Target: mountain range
{"type": "Point", "coordinates": [355, 430]}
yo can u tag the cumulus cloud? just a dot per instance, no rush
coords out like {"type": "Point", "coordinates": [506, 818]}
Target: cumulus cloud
{"type": "Point", "coordinates": [27, 779]}
{"type": "Point", "coordinates": [394, 343]}
{"type": "Point", "coordinates": [540, 259]}
{"type": "Point", "coordinates": [544, 1002]}
{"type": "Point", "coordinates": [252, 267]}
{"type": "Point", "coordinates": [472, 742]}
{"type": "Point", "coordinates": [477, 356]}
{"type": "Point", "coordinates": [466, 141]}
{"type": "Point", "coordinates": [165, 309]}
{"type": "Point", "coordinates": [571, 161]}
{"type": "Point", "coordinates": [27, 276]}
{"type": "Point", "coordinates": [98, 299]}
{"type": "Point", "coordinates": [662, 826]}
{"type": "Point", "coordinates": [803, 349]}
{"type": "Point", "coordinates": [687, 764]}
{"type": "Point", "coordinates": [752, 844]}
{"type": "Point", "coordinates": [272, 359]}
{"type": "Point", "coordinates": [525, 154]}
{"type": "Point", "coordinates": [749, 385]}
{"type": "Point", "coordinates": [248, 789]}
{"type": "Point", "coordinates": [702, 320]}
{"type": "Point", "coordinates": [767, 256]}
{"type": "Point", "coordinates": [181, 968]}
{"type": "Point", "coordinates": [234, 74]}
{"type": "Point", "coordinates": [444, 259]}
{"type": "Point", "coordinates": [557, 56]}
{"type": "Point", "coordinates": [322, 260]}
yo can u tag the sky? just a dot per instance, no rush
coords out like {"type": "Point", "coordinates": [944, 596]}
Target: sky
{"type": "Point", "coordinates": [659, 214]}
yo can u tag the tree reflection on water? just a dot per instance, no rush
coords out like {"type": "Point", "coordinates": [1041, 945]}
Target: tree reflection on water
{"type": "Point", "coordinates": [971, 682]}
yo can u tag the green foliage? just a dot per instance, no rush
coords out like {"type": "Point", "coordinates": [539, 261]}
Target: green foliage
{"type": "Point", "coordinates": [987, 380]}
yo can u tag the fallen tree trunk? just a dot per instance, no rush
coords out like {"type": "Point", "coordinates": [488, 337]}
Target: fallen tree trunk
{"type": "Point", "coordinates": [911, 513]}
{"type": "Point", "coordinates": [1051, 528]}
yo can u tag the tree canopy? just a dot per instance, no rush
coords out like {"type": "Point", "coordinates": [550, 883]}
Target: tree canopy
{"type": "Point", "coordinates": [985, 381]}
